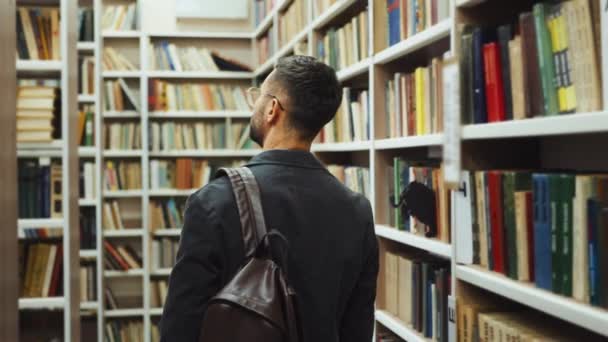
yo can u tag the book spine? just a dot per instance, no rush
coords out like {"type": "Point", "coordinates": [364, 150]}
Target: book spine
{"type": "Point", "coordinates": [494, 85]}
{"type": "Point", "coordinates": [479, 88]}
{"type": "Point", "coordinates": [496, 205]}
{"type": "Point", "coordinates": [504, 36]}
{"type": "Point", "coordinates": [545, 59]}
{"type": "Point", "coordinates": [567, 183]}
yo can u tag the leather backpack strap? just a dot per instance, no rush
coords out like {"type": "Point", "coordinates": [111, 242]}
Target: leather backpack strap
{"type": "Point", "coordinates": [243, 203]}
{"type": "Point", "coordinates": [255, 201]}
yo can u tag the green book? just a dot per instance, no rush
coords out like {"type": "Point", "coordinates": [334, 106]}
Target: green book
{"type": "Point", "coordinates": [568, 186]}
{"type": "Point", "coordinates": [555, 200]}
{"type": "Point", "coordinates": [508, 195]}
{"type": "Point", "coordinates": [545, 59]}
{"type": "Point", "coordinates": [397, 189]}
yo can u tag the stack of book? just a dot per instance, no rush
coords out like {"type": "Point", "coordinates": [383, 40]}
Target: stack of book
{"type": "Point", "coordinates": [38, 32]}
{"type": "Point", "coordinates": [87, 180]}
{"type": "Point", "coordinates": [86, 126]}
{"type": "Point", "coordinates": [41, 269]}
{"type": "Point", "coordinates": [408, 17]}
{"type": "Point", "coordinates": [159, 293]}
{"type": "Point", "coordinates": [346, 45]}
{"type": "Point", "coordinates": [111, 218]}
{"type": "Point", "coordinates": [354, 177]}
{"type": "Point", "coordinates": [166, 214]}
{"type": "Point", "coordinates": [122, 175]}
{"type": "Point", "coordinates": [400, 175]}
{"type": "Point", "coordinates": [88, 233]}
{"type": "Point", "coordinates": [414, 102]}
{"type": "Point", "coordinates": [416, 290]}
{"type": "Point", "coordinates": [164, 251]}
{"type": "Point", "coordinates": [292, 21]}
{"type": "Point", "coordinates": [37, 197]}
{"type": "Point", "coordinates": [551, 67]}
{"type": "Point", "coordinates": [320, 6]}
{"type": "Point", "coordinates": [261, 8]}
{"type": "Point", "coordinates": [165, 96]}
{"type": "Point", "coordinates": [124, 330]}
{"type": "Point", "coordinates": [86, 24]}
{"type": "Point", "coordinates": [351, 122]}
{"type": "Point", "coordinates": [168, 56]}
{"type": "Point", "coordinates": [266, 47]}
{"type": "Point", "coordinates": [122, 136]}
{"type": "Point", "coordinates": [38, 112]}
{"type": "Point", "coordinates": [119, 17]}
{"type": "Point", "coordinates": [121, 257]}
{"type": "Point", "coordinates": [169, 136]}
{"type": "Point", "coordinates": [492, 321]}
{"type": "Point", "coordinates": [88, 282]}
{"type": "Point", "coordinates": [114, 60]}
{"type": "Point", "coordinates": [86, 85]}
{"type": "Point", "coordinates": [544, 228]}
{"type": "Point", "coordinates": [118, 96]}
{"type": "Point", "coordinates": [182, 173]}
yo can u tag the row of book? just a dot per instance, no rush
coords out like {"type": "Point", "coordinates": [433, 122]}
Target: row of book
{"type": "Point", "coordinates": [86, 84]}
{"type": "Point", "coordinates": [114, 60]}
{"type": "Point", "coordinates": [551, 67]}
{"type": "Point", "coordinates": [41, 269]}
{"type": "Point", "coordinates": [124, 330]}
{"type": "Point", "coordinates": [416, 291]}
{"type": "Point", "coordinates": [120, 17]}
{"type": "Point", "coordinates": [292, 21]}
{"type": "Point", "coordinates": [351, 122]}
{"type": "Point", "coordinates": [164, 251]}
{"type": "Point", "coordinates": [88, 282]}
{"type": "Point", "coordinates": [38, 111]}
{"type": "Point", "coordinates": [266, 47]}
{"type": "Point", "coordinates": [158, 293]}
{"type": "Point", "coordinates": [167, 96]}
{"type": "Point", "coordinates": [88, 228]}
{"type": "Point", "coordinates": [181, 173]}
{"type": "Point", "coordinates": [414, 102]}
{"type": "Point", "coordinates": [122, 136]}
{"type": "Point", "coordinates": [38, 33]}
{"type": "Point", "coordinates": [401, 175]}
{"type": "Point", "coordinates": [261, 8]}
{"type": "Point", "coordinates": [39, 233]}
{"type": "Point", "coordinates": [86, 126]}
{"type": "Point", "coordinates": [169, 56]}
{"type": "Point", "coordinates": [166, 214]}
{"type": "Point", "coordinates": [405, 18]}
{"type": "Point", "coordinates": [482, 319]}
{"type": "Point", "coordinates": [544, 228]}
{"type": "Point", "coordinates": [169, 136]}
{"type": "Point", "coordinates": [354, 177]}
{"type": "Point", "coordinates": [346, 45]}
{"type": "Point", "coordinates": [121, 257]}
{"type": "Point", "coordinates": [111, 217]}
{"type": "Point", "coordinates": [122, 175]}
{"type": "Point", "coordinates": [39, 184]}
{"type": "Point", "coordinates": [118, 96]}
{"type": "Point", "coordinates": [86, 24]}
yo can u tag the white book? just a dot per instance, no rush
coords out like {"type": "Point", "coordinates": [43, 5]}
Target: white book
{"type": "Point", "coordinates": [89, 180]}
{"type": "Point", "coordinates": [154, 174]}
{"type": "Point", "coordinates": [173, 54]}
{"type": "Point", "coordinates": [108, 218]}
{"type": "Point", "coordinates": [130, 94]}
{"type": "Point", "coordinates": [117, 216]}
{"type": "Point", "coordinates": [83, 284]}
{"type": "Point", "coordinates": [356, 120]}
{"type": "Point", "coordinates": [48, 274]}
{"type": "Point", "coordinates": [433, 312]}
{"type": "Point", "coordinates": [397, 104]}
{"type": "Point", "coordinates": [155, 254]}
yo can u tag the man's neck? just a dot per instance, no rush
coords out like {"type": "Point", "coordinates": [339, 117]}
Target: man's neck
{"type": "Point", "coordinates": [285, 143]}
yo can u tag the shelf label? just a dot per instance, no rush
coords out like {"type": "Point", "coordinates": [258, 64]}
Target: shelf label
{"type": "Point", "coordinates": [451, 123]}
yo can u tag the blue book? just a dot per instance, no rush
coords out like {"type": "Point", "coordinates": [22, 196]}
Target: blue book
{"type": "Point", "coordinates": [394, 18]}
{"type": "Point", "coordinates": [594, 279]}
{"type": "Point", "coordinates": [165, 46]}
{"type": "Point", "coordinates": [542, 231]}
{"type": "Point", "coordinates": [480, 37]}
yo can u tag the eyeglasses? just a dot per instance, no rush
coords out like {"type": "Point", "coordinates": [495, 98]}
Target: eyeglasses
{"type": "Point", "coordinates": [253, 94]}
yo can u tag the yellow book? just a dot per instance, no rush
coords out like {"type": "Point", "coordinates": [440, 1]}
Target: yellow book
{"type": "Point", "coordinates": [569, 94]}
{"type": "Point", "coordinates": [420, 110]}
{"type": "Point", "coordinates": [55, 39]}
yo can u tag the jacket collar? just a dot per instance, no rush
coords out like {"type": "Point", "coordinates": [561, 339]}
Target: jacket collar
{"type": "Point", "coordinates": [302, 159]}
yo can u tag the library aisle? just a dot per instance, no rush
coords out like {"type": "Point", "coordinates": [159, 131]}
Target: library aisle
{"type": "Point", "coordinates": [115, 111]}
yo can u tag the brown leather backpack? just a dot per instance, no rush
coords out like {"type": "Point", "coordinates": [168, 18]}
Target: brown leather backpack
{"type": "Point", "coordinates": [257, 304]}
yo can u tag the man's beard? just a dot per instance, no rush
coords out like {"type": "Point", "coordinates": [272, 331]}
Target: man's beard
{"type": "Point", "coordinates": [255, 131]}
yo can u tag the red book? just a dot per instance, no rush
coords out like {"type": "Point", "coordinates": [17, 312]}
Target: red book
{"type": "Point", "coordinates": [56, 275]}
{"type": "Point", "coordinates": [116, 256]}
{"type": "Point", "coordinates": [530, 234]}
{"type": "Point", "coordinates": [496, 222]}
{"type": "Point", "coordinates": [152, 94]}
{"type": "Point", "coordinates": [495, 101]}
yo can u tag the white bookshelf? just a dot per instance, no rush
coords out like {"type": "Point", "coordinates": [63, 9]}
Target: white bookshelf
{"type": "Point", "coordinates": [167, 232]}
{"type": "Point", "coordinates": [85, 46]}
{"type": "Point", "coordinates": [354, 70]}
{"type": "Point", "coordinates": [86, 98]}
{"type": "Point", "coordinates": [342, 146]}
{"type": "Point", "coordinates": [121, 233]}
{"type": "Point", "coordinates": [398, 327]}
{"type": "Point", "coordinates": [409, 142]}
{"type": "Point", "coordinates": [123, 274]}
{"type": "Point", "coordinates": [48, 303]}
{"type": "Point", "coordinates": [39, 66]}
{"type": "Point", "coordinates": [171, 192]}
{"type": "Point", "coordinates": [433, 246]}
{"type": "Point", "coordinates": [88, 253]}
{"type": "Point", "coordinates": [124, 313]}
{"type": "Point", "coordinates": [216, 75]}
{"type": "Point", "coordinates": [226, 153]}
{"type": "Point", "coordinates": [219, 114]}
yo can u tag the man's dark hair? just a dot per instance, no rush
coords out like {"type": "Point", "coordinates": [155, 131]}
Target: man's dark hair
{"type": "Point", "coordinates": [314, 92]}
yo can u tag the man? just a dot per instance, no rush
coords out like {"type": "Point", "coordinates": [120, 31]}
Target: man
{"type": "Point", "coordinates": [333, 254]}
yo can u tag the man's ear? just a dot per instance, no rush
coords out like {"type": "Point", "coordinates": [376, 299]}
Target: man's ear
{"type": "Point", "coordinates": [274, 112]}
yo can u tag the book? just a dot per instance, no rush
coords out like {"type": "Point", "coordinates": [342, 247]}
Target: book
{"type": "Point", "coordinates": [518, 79]}
{"type": "Point", "coordinates": [88, 281]}
{"type": "Point", "coordinates": [354, 177]}
{"type": "Point", "coordinates": [86, 17]}
{"type": "Point", "coordinates": [122, 175]}
{"type": "Point", "coordinates": [352, 120]}
{"type": "Point", "coordinates": [120, 17]}
{"type": "Point", "coordinates": [88, 230]}
{"type": "Point", "coordinates": [114, 60]}
{"type": "Point", "coordinates": [164, 55]}
{"type": "Point", "coordinates": [122, 136]}
{"type": "Point", "coordinates": [41, 266]}
{"type": "Point", "coordinates": [164, 252]}
{"type": "Point", "coordinates": [170, 136]}
{"type": "Point", "coordinates": [495, 100]}
{"type": "Point", "coordinates": [37, 113]}
{"type": "Point", "coordinates": [534, 94]}
{"type": "Point", "coordinates": [353, 34]}
{"type": "Point", "coordinates": [39, 188]}
{"type": "Point", "coordinates": [545, 59]}
{"type": "Point", "coordinates": [118, 96]}
{"type": "Point", "coordinates": [405, 18]}
{"type": "Point", "coordinates": [504, 34]}
{"type": "Point", "coordinates": [168, 96]}
{"type": "Point", "coordinates": [38, 29]}
{"type": "Point", "coordinates": [86, 82]}
{"type": "Point", "coordinates": [292, 21]}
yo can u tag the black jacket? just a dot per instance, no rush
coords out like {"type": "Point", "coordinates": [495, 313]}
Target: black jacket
{"type": "Point", "coordinates": [333, 256]}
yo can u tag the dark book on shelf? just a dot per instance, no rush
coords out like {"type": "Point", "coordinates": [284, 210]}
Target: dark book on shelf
{"type": "Point", "coordinates": [542, 232]}
{"type": "Point", "coordinates": [227, 64]}
{"type": "Point", "coordinates": [534, 95]}
{"type": "Point", "coordinates": [505, 34]}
